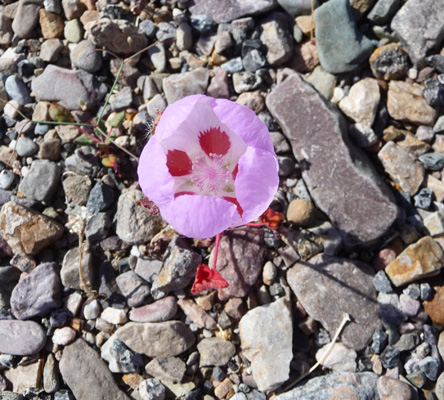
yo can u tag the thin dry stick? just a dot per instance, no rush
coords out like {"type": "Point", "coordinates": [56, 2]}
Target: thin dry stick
{"type": "Point", "coordinates": [345, 319]}
{"type": "Point", "coordinates": [312, 21]}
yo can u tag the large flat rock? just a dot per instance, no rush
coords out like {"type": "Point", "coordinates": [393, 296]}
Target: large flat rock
{"type": "Point", "coordinates": [340, 177]}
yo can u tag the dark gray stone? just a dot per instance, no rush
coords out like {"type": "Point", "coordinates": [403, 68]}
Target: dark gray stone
{"type": "Point", "coordinates": [390, 357]}
{"type": "Point", "coordinates": [41, 181]}
{"type": "Point", "coordinates": [346, 187]}
{"type": "Point", "coordinates": [328, 287]}
{"type": "Point", "coordinates": [134, 288]}
{"type": "Point", "coordinates": [17, 90]}
{"type": "Point", "coordinates": [84, 57]}
{"type": "Point", "coordinates": [37, 293]}
{"type": "Point", "coordinates": [380, 340]}
{"type": "Point", "coordinates": [419, 27]}
{"type": "Point", "coordinates": [341, 46]}
{"type": "Point", "coordinates": [298, 7]}
{"type": "Point", "coordinates": [100, 197]}
{"type": "Point", "coordinates": [432, 161]}
{"type": "Point", "coordinates": [382, 282]}
{"type": "Point", "coordinates": [424, 198]}
{"type": "Point", "coordinates": [434, 93]}
{"type": "Point", "coordinates": [233, 65]}
{"type": "Point", "coordinates": [9, 277]}
{"type": "Point", "coordinates": [383, 11]}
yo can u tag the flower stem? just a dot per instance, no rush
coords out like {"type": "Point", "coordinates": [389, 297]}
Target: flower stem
{"type": "Point", "coordinates": [216, 249]}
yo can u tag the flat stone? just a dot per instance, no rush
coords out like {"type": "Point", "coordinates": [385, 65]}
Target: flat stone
{"type": "Point", "coordinates": [350, 193]}
{"type": "Point", "coordinates": [351, 385]}
{"type": "Point", "coordinates": [170, 368]}
{"type": "Point", "coordinates": [361, 103]}
{"type": "Point", "coordinates": [240, 260]}
{"type": "Point", "coordinates": [405, 102]}
{"type": "Point", "coordinates": [84, 57]}
{"type": "Point", "coordinates": [68, 87]}
{"type": "Point", "coordinates": [134, 288]}
{"type": "Point", "coordinates": [51, 380]}
{"type": "Point", "coordinates": [37, 293]}
{"type": "Point", "coordinates": [197, 314]}
{"type": "Point", "coordinates": [419, 260]}
{"type": "Point", "coordinates": [25, 377]}
{"type": "Point", "coordinates": [26, 231]}
{"type": "Point", "coordinates": [26, 17]}
{"type": "Point", "coordinates": [418, 26]}
{"type": "Point", "coordinates": [41, 181]}
{"type": "Point", "coordinates": [402, 167]}
{"type": "Point", "coordinates": [134, 224]}
{"type": "Point", "coordinates": [161, 310]}
{"type": "Point", "coordinates": [340, 50]}
{"type": "Point", "coordinates": [328, 287]}
{"type": "Point", "coordinates": [178, 86]}
{"type": "Point", "coordinates": [87, 375]}
{"type": "Point", "coordinates": [148, 269]}
{"type": "Point", "coordinates": [339, 359]}
{"type": "Point", "coordinates": [120, 358]}
{"type": "Point", "coordinates": [266, 334]}
{"type": "Point", "coordinates": [21, 338]}
{"type": "Point", "coordinates": [228, 10]}
{"type": "Point", "coordinates": [161, 339]}
{"type": "Point", "coordinates": [215, 352]}
{"type": "Point", "coordinates": [113, 35]}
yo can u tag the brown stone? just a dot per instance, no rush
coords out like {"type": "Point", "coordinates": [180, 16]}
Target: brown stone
{"type": "Point", "coordinates": [305, 57]}
{"type": "Point", "coordinates": [378, 62]}
{"type": "Point", "coordinates": [393, 389]}
{"type": "Point", "coordinates": [27, 231]}
{"type": "Point", "coordinates": [413, 146]}
{"type": "Point", "coordinates": [351, 193]}
{"type": "Point", "coordinates": [419, 260]}
{"type": "Point", "coordinates": [51, 23]}
{"type": "Point", "coordinates": [50, 149]}
{"type": "Point", "coordinates": [253, 100]}
{"type": "Point", "coordinates": [301, 212]}
{"type": "Point", "coordinates": [306, 24]}
{"type": "Point", "coordinates": [405, 102]}
{"type": "Point", "coordinates": [25, 377]}
{"type": "Point", "coordinates": [435, 307]}
{"type": "Point", "coordinates": [197, 314]}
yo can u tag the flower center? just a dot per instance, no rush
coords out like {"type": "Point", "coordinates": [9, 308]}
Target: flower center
{"type": "Point", "coordinates": [212, 175]}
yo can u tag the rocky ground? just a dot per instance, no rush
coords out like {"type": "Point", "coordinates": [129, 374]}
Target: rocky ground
{"type": "Point", "coordinates": [95, 299]}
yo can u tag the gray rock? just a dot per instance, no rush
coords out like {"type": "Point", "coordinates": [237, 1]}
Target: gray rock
{"type": "Point", "coordinates": [41, 181]}
{"type": "Point", "coordinates": [390, 309]}
{"type": "Point", "coordinates": [351, 193]}
{"type": "Point", "coordinates": [120, 358]}
{"type": "Point", "coordinates": [356, 386]}
{"type": "Point", "coordinates": [97, 227]}
{"type": "Point", "coordinates": [6, 32]}
{"type": "Point", "coordinates": [53, 6]}
{"type": "Point", "coordinates": [148, 269]}
{"type": "Point", "coordinates": [297, 7]}
{"type": "Point", "coordinates": [9, 277]}
{"type": "Point", "coordinates": [26, 147]}
{"type": "Point", "coordinates": [21, 338]}
{"type": "Point", "coordinates": [246, 81]}
{"type": "Point", "coordinates": [37, 293]}
{"type": "Point", "coordinates": [178, 86]}
{"type": "Point", "coordinates": [122, 99]}
{"type": "Point", "coordinates": [276, 37]}
{"type": "Point", "coordinates": [233, 65]}
{"type": "Point", "coordinates": [179, 267]}
{"type": "Point", "coordinates": [161, 339]}
{"type": "Point", "coordinates": [158, 57]}
{"type": "Point", "coordinates": [17, 90]}
{"type": "Point", "coordinates": [7, 178]}
{"type": "Point", "coordinates": [322, 81]}
{"type": "Point", "coordinates": [228, 10]}
{"type": "Point", "coordinates": [341, 47]}
{"type": "Point", "coordinates": [383, 11]}
{"type": "Point", "coordinates": [84, 57]}
{"type": "Point", "coordinates": [418, 26]}
{"type": "Point", "coordinates": [87, 375]}
{"type": "Point", "coordinates": [26, 17]}
{"type": "Point", "coordinates": [184, 37]}
{"type": "Point", "coordinates": [328, 287]}
{"type": "Point", "coordinates": [151, 389]}
{"type": "Point", "coordinates": [215, 351]}
{"type": "Point", "coordinates": [68, 87]}
{"type": "Point", "coordinates": [266, 334]}
{"type": "Point", "coordinates": [170, 368]}
{"type": "Point", "coordinates": [382, 282]}
{"type": "Point", "coordinates": [240, 260]}
{"type": "Point", "coordinates": [161, 310]}
{"type": "Point", "coordinates": [134, 288]}
{"type": "Point", "coordinates": [156, 105]}
{"type": "Point", "coordinates": [69, 272]}
{"type": "Point", "coordinates": [51, 382]}
{"type": "Point", "coordinates": [134, 224]}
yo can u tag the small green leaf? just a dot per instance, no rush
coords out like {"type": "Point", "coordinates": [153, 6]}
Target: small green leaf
{"type": "Point", "coordinates": [84, 140]}
{"type": "Point", "coordinates": [59, 113]}
{"type": "Point", "coordinates": [117, 120]}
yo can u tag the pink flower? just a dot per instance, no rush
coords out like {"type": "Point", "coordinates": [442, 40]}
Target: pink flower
{"type": "Point", "coordinates": [209, 166]}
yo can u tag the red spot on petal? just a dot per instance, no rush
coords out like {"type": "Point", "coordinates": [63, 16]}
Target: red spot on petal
{"type": "Point", "coordinates": [214, 141]}
{"type": "Point", "coordinates": [179, 163]}
{"type": "Point", "coordinates": [235, 171]}
{"type": "Point", "coordinates": [236, 203]}
{"type": "Point", "coordinates": [207, 278]}
{"type": "Point", "coordinates": [182, 193]}
{"type": "Point", "coordinates": [271, 218]}
{"type": "Point", "coordinates": [150, 206]}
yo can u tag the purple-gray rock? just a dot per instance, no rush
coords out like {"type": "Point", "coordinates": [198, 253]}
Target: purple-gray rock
{"type": "Point", "coordinates": [239, 261]}
{"type": "Point", "coordinates": [419, 27]}
{"type": "Point", "coordinates": [328, 287]}
{"type": "Point", "coordinates": [161, 310]}
{"type": "Point", "coordinates": [21, 338]}
{"type": "Point", "coordinates": [26, 17]}
{"type": "Point", "coordinates": [87, 375]}
{"type": "Point", "coordinates": [228, 10]}
{"type": "Point", "coordinates": [84, 57]}
{"type": "Point", "coordinates": [177, 86]}
{"type": "Point", "coordinates": [9, 277]}
{"type": "Point", "coordinates": [133, 287]}
{"type": "Point", "coordinates": [339, 176]}
{"type": "Point", "coordinates": [215, 351]}
{"type": "Point", "coordinates": [68, 87]}
{"type": "Point", "coordinates": [37, 293]}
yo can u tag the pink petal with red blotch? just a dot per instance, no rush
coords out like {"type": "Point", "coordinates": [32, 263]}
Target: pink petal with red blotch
{"type": "Point", "coordinates": [178, 163]}
{"type": "Point", "coordinates": [207, 278]}
{"type": "Point", "coordinates": [214, 141]}
{"type": "Point", "coordinates": [256, 183]}
{"type": "Point", "coordinates": [198, 216]}
{"type": "Point", "coordinates": [244, 122]}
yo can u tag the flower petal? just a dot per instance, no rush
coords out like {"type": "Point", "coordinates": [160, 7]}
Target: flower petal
{"type": "Point", "coordinates": [154, 178]}
{"type": "Point", "coordinates": [179, 163]}
{"type": "Point", "coordinates": [207, 278]}
{"type": "Point", "coordinates": [256, 182]}
{"type": "Point", "coordinates": [198, 216]}
{"type": "Point", "coordinates": [244, 122]}
{"type": "Point", "coordinates": [214, 141]}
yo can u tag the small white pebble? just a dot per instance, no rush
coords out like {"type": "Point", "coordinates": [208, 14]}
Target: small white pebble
{"type": "Point", "coordinates": [64, 336]}
{"type": "Point", "coordinates": [412, 73]}
{"type": "Point", "coordinates": [338, 95]}
{"type": "Point", "coordinates": [73, 302]}
{"type": "Point", "coordinates": [114, 315]}
{"type": "Point", "coordinates": [92, 310]}
{"type": "Point", "coordinates": [269, 273]}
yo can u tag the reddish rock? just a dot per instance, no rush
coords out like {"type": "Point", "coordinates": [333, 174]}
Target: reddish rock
{"type": "Point", "coordinates": [435, 307]}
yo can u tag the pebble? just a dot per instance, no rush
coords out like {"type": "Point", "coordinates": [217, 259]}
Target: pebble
{"type": "Point", "coordinates": [158, 57]}
{"type": "Point", "coordinates": [25, 377]}
{"type": "Point", "coordinates": [413, 291]}
{"type": "Point", "coordinates": [21, 338]}
{"type": "Point", "coordinates": [268, 346]}
{"type": "Point", "coordinates": [177, 86]}
{"type": "Point", "coordinates": [340, 50]}
{"type": "Point", "coordinates": [26, 18]}
{"type": "Point", "coordinates": [434, 93]}
{"type": "Point", "coordinates": [73, 31]}
{"type": "Point", "coordinates": [134, 224]}
{"type": "Point", "coordinates": [301, 212]}
{"type": "Point", "coordinates": [402, 167]}
{"type": "Point", "coordinates": [73, 8]}
{"type": "Point", "coordinates": [390, 61]}
{"type": "Point", "coordinates": [382, 283]}
{"type": "Point", "coordinates": [63, 336]}
{"type": "Point", "coordinates": [7, 178]}
{"type": "Point", "coordinates": [51, 381]}
{"type": "Point", "coordinates": [114, 316]}
{"type": "Point", "coordinates": [77, 188]}
{"type": "Point", "coordinates": [52, 24]}
{"type": "Point", "coordinates": [390, 357]}
{"type": "Point", "coordinates": [342, 274]}
{"type": "Point", "coordinates": [432, 161]}
{"type": "Point", "coordinates": [26, 231]}
{"type": "Point", "coordinates": [69, 272]}
{"type": "Point", "coordinates": [410, 307]}
{"type": "Point", "coordinates": [82, 377]}
{"type": "Point", "coordinates": [418, 260]}
{"type": "Point", "coordinates": [233, 66]}
{"type": "Point", "coordinates": [380, 340]}
{"type": "Point", "coordinates": [434, 306]}
{"type": "Point", "coordinates": [434, 223]}
{"type": "Point", "coordinates": [246, 81]}
{"type": "Point", "coordinates": [240, 258]}
{"type": "Point", "coordinates": [17, 90]}
{"type": "Point", "coordinates": [197, 314]}
{"type": "Point", "coordinates": [215, 352]}
{"type": "Point", "coordinates": [322, 81]}
{"type": "Point", "coordinates": [26, 147]}
{"type": "Point", "coordinates": [50, 149]}
{"type": "Point", "coordinates": [276, 37]}
{"type": "Point", "coordinates": [171, 368]}
{"type": "Point", "coordinates": [50, 51]}
{"type": "Point", "coordinates": [394, 389]}
{"type": "Point", "coordinates": [295, 104]}
{"type": "Point", "coordinates": [101, 197]}
{"type": "Point", "coordinates": [405, 102]}
{"type": "Point", "coordinates": [151, 389]}
{"type": "Point", "coordinates": [134, 288]}
{"type": "Point", "coordinates": [160, 339]}
{"type": "Point", "coordinates": [184, 39]}
{"type": "Point", "coordinates": [120, 358]}
{"type": "Point", "coordinates": [84, 57]}
{"type": "Point", "coordinates": [92, 310]}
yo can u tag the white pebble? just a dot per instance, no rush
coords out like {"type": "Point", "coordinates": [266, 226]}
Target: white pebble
{"type": "Point", "coordinates": [92, 310]}
{"type": "Point", "coordinates": [64, 336]}
{"type": "Point", "coordinates": [114, 315]}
